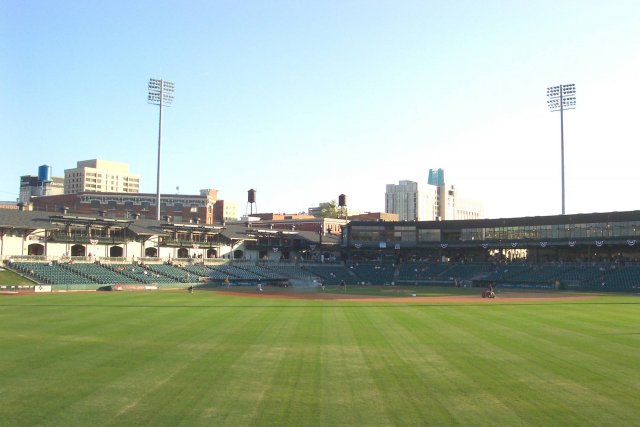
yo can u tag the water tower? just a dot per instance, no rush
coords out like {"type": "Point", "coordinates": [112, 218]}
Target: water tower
{"type": "Point", "coordinates": [251, 202]}
{"type": "Point", "coordinates": [44, 178]}
{"type": "Point", "coordinates": [342, 206]}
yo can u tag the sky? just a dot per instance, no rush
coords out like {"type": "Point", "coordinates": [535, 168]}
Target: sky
{"type": "Point", "coordinates": [306, 100]}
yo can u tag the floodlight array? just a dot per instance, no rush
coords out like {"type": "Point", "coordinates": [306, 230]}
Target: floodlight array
{"type": "Point", "coordinates": [562, 97]}
{"type": "Point", "coordinates": [160, 89]}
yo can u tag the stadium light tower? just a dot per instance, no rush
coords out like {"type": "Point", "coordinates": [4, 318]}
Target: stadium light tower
{"type": "Point", "coordinates": [562, 97]}
{"type": "Point", "coordinates": [161, 94]}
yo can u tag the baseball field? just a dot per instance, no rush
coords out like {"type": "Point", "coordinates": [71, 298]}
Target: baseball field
{"type": "Point", "coordinates": [360, 356]}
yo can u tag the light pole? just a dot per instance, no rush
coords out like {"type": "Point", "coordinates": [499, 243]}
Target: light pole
{"type": "Point", "coordinates": [562, 97]}
{"type": "Point", "coordinates": [160, 93]}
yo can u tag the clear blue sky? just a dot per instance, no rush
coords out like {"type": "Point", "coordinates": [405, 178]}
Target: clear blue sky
{"type": "Point", "coordinates": [305, 100]}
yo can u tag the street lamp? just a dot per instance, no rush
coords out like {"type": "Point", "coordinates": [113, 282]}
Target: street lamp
{"type": "Point", "coordinates": [160, 93]}
{"type": "Point", "coordinates": [562, 97]}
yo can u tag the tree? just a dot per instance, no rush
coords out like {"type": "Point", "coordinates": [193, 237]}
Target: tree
{"type": "Point", "coordinates": [328, 210]}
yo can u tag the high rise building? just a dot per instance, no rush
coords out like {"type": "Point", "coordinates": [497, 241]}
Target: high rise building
{"type": "Point", "coordinates": [100, 176]}
{"type": "Point", "coordinates": [42, 185]}
{"type": "Point", "coordinates": [410, 202]}
{"type": "Point", "coordinates": [448, 205]}
{"type": "Point", "coordinates": [436, 177]}
{"type": "Point", "coordinates": [431, 202]}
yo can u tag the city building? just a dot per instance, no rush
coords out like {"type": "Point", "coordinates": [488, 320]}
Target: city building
{"type": "Point", "coordinates": [436, 177]}
{"type": "Point", "coordinates": [299, 222]}
{"type": "Point", "coordinates": [411, 202]}
{"type": "Point", "coordinates": [435, 201]}
{"type": "Point", "coordinates": [375, 216]}
{"type": "Point", "coordinates": [100, 176]}
{"type": "Point", "coordinates": [227, 210]}
{"type": "Point", "coordinates": [41, 185]}
{"type": "Point", "coordinates": [13, 206]}
{"type": "Point", "coordinates": [449, 205]}
{"type": "Point", "coordinates": [202, 208]}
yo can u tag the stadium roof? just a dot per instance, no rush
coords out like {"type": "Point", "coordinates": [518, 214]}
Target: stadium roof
{"type": "Point", "coordinates": [37, 220]}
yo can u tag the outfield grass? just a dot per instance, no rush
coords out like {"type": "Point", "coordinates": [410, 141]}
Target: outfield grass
{"type": "Point", "coordinates": [8, 277]}
{"type": "Point", "coordinates": [171, 358]}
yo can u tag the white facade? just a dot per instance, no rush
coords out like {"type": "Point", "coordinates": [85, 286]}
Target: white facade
{"type": "Point", "coordinates": [469, 209]}
{"type": "Point", "coordinates": [413, 202]}
{"type": "Point", "coordinates": [446, 202]}
{"type": "Point", "coordinates": [230, 210]}
{"type": "Point", "coordinates": [410, 203]}
{"type": "Point", "coordinates": [32, 186]}
{"type": "Point", "coordinates": [101, 176]}
{"type": "Point", "coordinates": [451, 206]}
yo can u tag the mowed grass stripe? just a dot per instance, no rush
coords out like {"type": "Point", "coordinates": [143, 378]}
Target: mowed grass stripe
{"type": "Point", "coordinates": [566, 365]}
{"type": "Point", "coordinates": [107, 378]}
{"type": "Point", "coordinates": [579, 343]}
{"type": "Point", "coordinates": [454, 373]}
{"type": "Point", "coordinates": [137, 359]}
{"type": "Point", "coordinates": [210, 384]}
{"type": "Point", "coordinates": [464, 361]}
{"type": "Point", "coordinates": [207, 359]}
{"type": "Point", "coordinates": [398, 368]}
{"type": "Point", "coordinates": [349, 393]}
{"type": "Point", "coordinates": [63, 357]}
{"type": "Point", "coordinates": [503, 369]}
{"type": "Point", "coordinates": [165, 387]}
{"type": "Point", "coordinates": [292, 383]}
{"type": "Point", "coordinates": [248, 385]}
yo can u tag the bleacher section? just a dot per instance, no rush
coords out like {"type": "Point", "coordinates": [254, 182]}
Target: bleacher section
{"type": "Point", "coordinates": [141, 274]}
{"type": "Point", "coordinates": [374, 273]}
{"type": "Point", "coordinates": [292, 272]}
{"type": "Point", "coordinates": [332, 274]}
{"type": "Point", "coordinates": [172, 272]}
{"type": "Point", "coordinates": [50, 273]}
{"type": "Point", "coordinates": [234, 272]}
{"type": "Point", "coordinates": [421, 272]}
{"type": "Point", "coordinates": [99, 273]}
{"type": "Point", "coordinates": [468, 270]}
{"type": "Point", "coordinates": [198, 270]}
{"type": "Point", "coordinates": [604, 276]}
{"type": "Point", "coordinates": [622, 278]}
{"type": "Point", "coordinates": [263, 272]}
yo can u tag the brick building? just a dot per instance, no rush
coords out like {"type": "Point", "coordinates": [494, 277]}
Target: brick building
{"type": "Point", "coordinates": [204, 208]}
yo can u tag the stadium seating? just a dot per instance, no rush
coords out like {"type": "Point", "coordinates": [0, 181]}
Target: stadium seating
{"type": "Point", "coordinates": [596, 276]}
{"type": "Point", "coordinates": [423, 272]}
{"type": "Point", "coordinates": [50, 273]}
{"type": "Point", "coordinates": [99, 273]}
{"type": "Point", "coordinates": [374, 273]}
{"type": "Point", "coordinates": [292, 272]}
{"type": "Point", "coordinates": [332, 274]}
{"type": "Point", "coordinates": [140, 274]}
{"type": "Point", "coordinates": [263, 272]}
{"type": "Point", "coordinates": [171, 273]}
{"type": "Point", "coordinates": [234, 272]}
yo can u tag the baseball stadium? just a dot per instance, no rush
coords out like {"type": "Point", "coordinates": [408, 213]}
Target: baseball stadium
{"type": "Point", "coordinates": [515, 321]}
